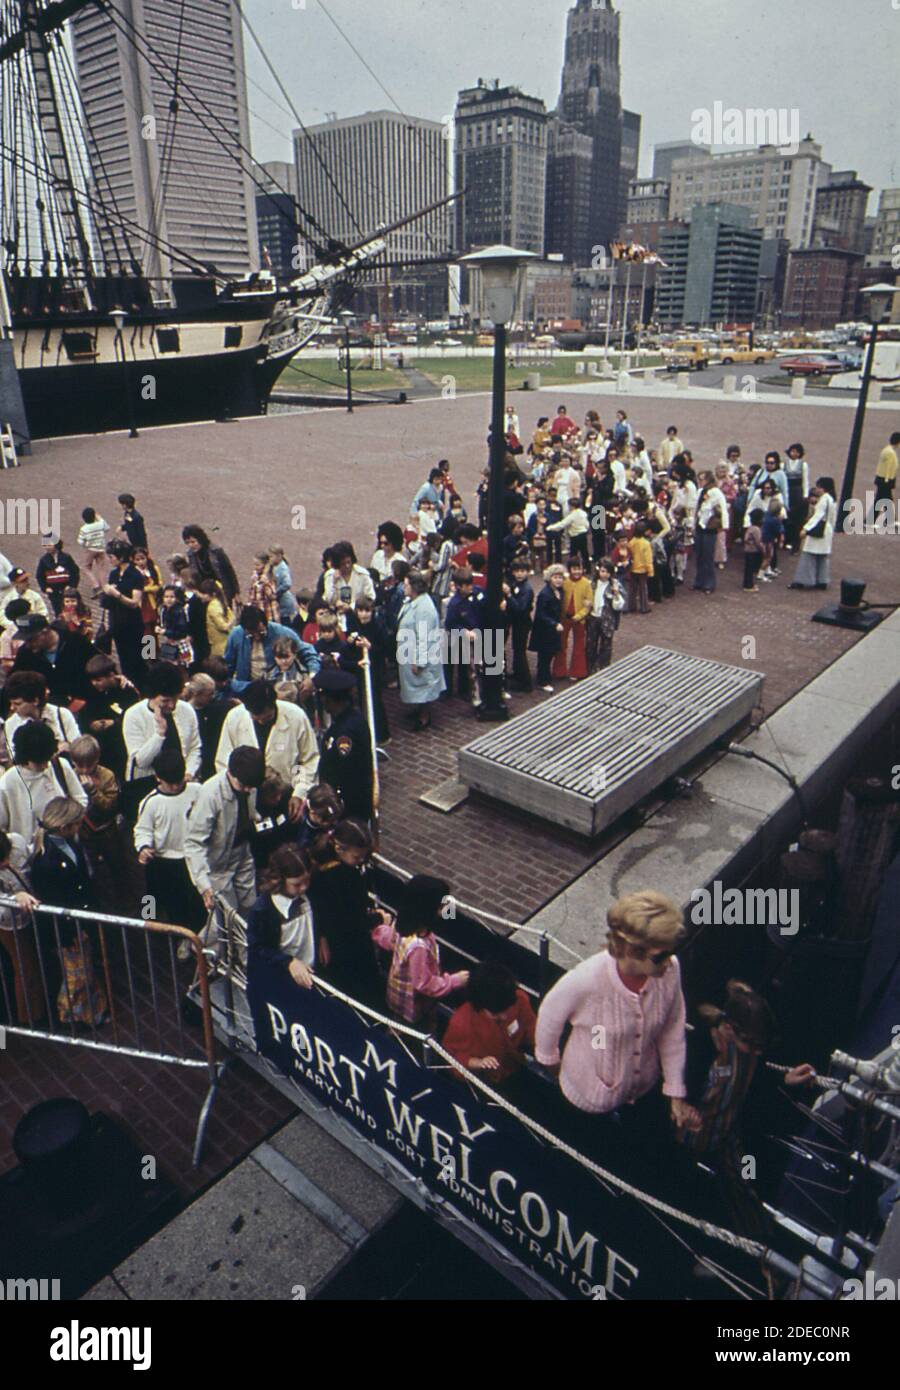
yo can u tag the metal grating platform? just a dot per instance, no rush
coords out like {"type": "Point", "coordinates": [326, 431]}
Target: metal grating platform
{"type": "Point", "coordinates": [591, 753]}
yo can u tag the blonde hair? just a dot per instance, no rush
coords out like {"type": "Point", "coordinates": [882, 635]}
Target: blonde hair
{"type": "Point", "coordinates": [59, 815]}
{"type": "Point", "coordinates": [551, 570]}
{"type": "Point", "coordinates": [646, 920]}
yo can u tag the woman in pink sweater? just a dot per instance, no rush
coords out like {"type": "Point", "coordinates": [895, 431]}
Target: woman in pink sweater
{"type": "Point", "coordinates": [415, 979]}
{"type": "Point", "coordinates": [626, 1012]}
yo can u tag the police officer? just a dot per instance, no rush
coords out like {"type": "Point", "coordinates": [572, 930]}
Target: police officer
{"type": "Point", "coordinates": [346, 761]}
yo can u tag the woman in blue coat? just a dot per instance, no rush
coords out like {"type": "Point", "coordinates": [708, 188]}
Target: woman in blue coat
{"type": "Point", "coordinates": [420, 654]}
{"type": "Point", "coordinates": [546, 631]}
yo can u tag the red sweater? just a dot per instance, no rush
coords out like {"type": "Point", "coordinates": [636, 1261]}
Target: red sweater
{"type": "Point", "coordinates": [474, 1033]}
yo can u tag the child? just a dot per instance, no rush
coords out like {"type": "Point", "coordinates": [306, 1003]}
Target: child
{"type": "Point", "coordinates": [92, 539]}
{"type": "Point", "coordinates": [554, 515]}
{"type": "Point", "coordinates": [174, 635]}
{"type": "Point", "coordinates": [753, 550]}
{"type": "Point", "coordinates": [415, 979]}
{"type": "Point", "coordinates": [519, 604]}
{"type": "Point", "coordinates": [772, 537]}
{"type": "Point", "coordinates": [547, 629]}
{"type": "Point", "coordinates": [490, 1032]}
{"type": "Point", "coordinates": [329, 643]}
{"type": "Point", "coordinates": [536, 531]}
{"type": "Point", "coordinates": [322, 812]}
{"type": "Point", "coordinates": [262, 592]}
{"type": "Point", "coordinates": [577, 601]}
{"type": "Point", "coordinates": [344, 915]}
{"type": "Point", "coordinates": [609, 601]}
{"type": "Point", "coordinates": [577, 527]}
{"type": "Point", "coordinates": [132, 527]}
{"type": "Point", "coordinates": [280, 928]}
{"type": "Point", "coordinates": [682, 541]}
{"type": "Point", "coordinates": [75, 614]}
{"type": "Point", "coordinates": [478, 566]}
{"type": "Point", "coordinates": [273, 827]}
{"type": "Point", "coordinates": [366, 633]}
{"type": "Point", "coordinates": [462, 617]}
{"type": "Point", "coordinates": [159, 837]}
{"type": "Point", "coordinates": [100, 833]}
{"type": "Point", "coordinates": [641, 570]}
{"type": "Point", "coordinates": [220, 616]}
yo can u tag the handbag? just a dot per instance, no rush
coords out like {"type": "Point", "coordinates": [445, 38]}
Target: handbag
{"type": "Point", "coordinates": [818, 531]}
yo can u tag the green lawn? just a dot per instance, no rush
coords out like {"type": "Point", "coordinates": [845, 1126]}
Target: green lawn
{"type": "Point", "coordinates": [475, 373]}
{"type": "Point", "coordinates": [323, 375]}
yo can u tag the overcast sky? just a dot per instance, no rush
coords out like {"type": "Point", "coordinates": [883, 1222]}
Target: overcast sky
{"type": "Point", "coordinates": [834, 60]}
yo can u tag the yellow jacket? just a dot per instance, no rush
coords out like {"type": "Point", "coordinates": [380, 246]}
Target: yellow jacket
{"type": "Point", "coordinates": [578, 599]}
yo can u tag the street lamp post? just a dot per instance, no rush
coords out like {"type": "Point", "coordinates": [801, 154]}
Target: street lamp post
{"type": "Point", "coordinates": [346, 315]}
{"type": "Point", "coordinates": [499, 266]}
{"type": "Point", "coordinates": [118, 317]}
{"type": "Point", "coordinates": [879, 302]}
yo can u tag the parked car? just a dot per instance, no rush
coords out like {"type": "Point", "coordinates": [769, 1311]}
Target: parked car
{"type": "Point", "coordinates": [741, 352]}
{"type": "Point", "coordinates": [812, 364]}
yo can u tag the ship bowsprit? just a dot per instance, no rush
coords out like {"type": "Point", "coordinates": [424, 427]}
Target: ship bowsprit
{"type": "Point", "coordinates": [593, 752]}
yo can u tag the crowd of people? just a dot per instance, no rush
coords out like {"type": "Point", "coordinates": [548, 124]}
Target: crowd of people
{"type": "Point", "coordinates": [171, 731]}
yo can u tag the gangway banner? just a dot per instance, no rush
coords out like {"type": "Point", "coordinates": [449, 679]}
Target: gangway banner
{"type": "Point", "coordinates": [564, 1225]}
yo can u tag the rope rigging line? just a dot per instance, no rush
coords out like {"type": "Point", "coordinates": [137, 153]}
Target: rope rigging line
{"type": "Point", "coordinates": [296, 115]}
{"type": "Point", "coordinates": [168, 141]}
{"type": "Point", "coordinates": [161, 65]}
{"type": "Point", "coordinates": [481, 915]}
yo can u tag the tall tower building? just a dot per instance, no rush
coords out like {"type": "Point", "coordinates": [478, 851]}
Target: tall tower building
{"type": "Point", "coordinates": [570, 159]}
{"type": "Point", "coordinates": [361, 173]}
{"type": "Point", "coordinates": [501, 163]}
{"type": "Point", "coordinates": [180, 176]}
{"type": "Point", "coordinates": [840, 211]}
{"type": "Point", "coordinates": [590, 99]}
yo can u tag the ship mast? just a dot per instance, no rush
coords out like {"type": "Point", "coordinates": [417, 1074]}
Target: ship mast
{"type": "Point", "coordinates": [76, 250]}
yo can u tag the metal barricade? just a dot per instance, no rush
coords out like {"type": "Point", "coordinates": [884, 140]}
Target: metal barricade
{"type": "Point", "coordinates": [111, 984]}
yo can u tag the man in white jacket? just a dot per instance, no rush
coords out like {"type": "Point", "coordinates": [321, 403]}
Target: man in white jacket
{"type": "Point", "coordinates": [161, 720]}
{"type": "Point", "coordinates": [283, 733]}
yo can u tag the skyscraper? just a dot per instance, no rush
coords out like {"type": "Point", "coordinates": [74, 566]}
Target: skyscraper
{"type": "Point", "coordinates": [570, 159]}
{"type": "Point", "coordinates": [501, 163]}
{"type": "Point", "coordinates": [177, 174]}
{"type": "Point", "coordinates": [590, 100]}
{"type": "Point", "coordinates": [364, 172]}
{"type": "Point", "coordinates": [277, 222]}
{"type": "Point", "coordinates": [778, 188]}
{"type": "Point", "coordinates": [840, 211]}
{"type": "Point", "coordinates": [712, 267]}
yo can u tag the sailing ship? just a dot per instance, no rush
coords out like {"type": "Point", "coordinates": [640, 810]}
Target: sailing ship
{"type": "Point", "coordinates": [92, 340]}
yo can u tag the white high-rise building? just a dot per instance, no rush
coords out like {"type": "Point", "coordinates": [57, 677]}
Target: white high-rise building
{"type": "Point", "coordinates": [360, 173]}
{"type": "Point", "coordinates": [187, 188]}
{"type": "Point", "coordinates": [778, 189]}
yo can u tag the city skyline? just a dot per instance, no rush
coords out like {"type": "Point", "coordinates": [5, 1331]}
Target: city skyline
{"type": "Point", "coordinates": [444, 52]}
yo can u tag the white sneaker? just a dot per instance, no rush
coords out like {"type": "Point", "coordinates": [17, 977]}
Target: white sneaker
{"type": "Point", "coordinates": [506, 695]}
{"type": "Point", "coordinates": [548, 688]}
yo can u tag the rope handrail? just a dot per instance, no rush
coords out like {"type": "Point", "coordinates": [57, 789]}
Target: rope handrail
{"type": "Point", "coordinates": [709, 1229]}
{"type": "Point", "coordinates": [483, 916]}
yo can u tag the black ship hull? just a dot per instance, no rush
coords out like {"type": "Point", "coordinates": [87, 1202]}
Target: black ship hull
{"type": "Point", "coordinates": [93, 399]}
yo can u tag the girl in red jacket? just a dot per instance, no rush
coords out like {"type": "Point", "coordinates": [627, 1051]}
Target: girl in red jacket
{"type": "Point", "coordinates": [490, 1033]}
